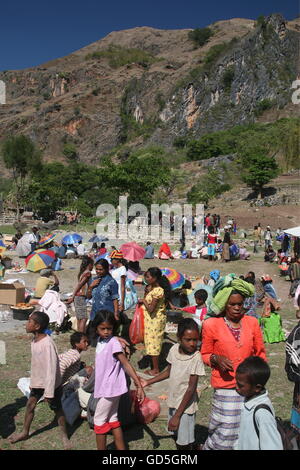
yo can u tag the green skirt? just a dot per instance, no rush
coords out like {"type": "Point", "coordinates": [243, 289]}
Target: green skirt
{"type": "Point", "coordinates": [272, 328]}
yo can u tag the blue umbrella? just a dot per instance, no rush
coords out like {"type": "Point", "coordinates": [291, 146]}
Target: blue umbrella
{"type": "Point", "coordinates": [71, 239]}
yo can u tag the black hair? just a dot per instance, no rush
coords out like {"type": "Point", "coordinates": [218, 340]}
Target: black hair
{"type": "Point", "coordinates": [186, 324]}
{"type": "Point", "coordinates": [211, 229]}
{"type": "Point", "coordinates": [148, 243]}
{"type": "Point", "coordinates": [102, 245]}
{"type": "Point", "coordinates": [252, 274]}
{"type": "Point", "coordinates": [42, 319]}
{"type": "Point", "coordinates": [86, 261]}
{"type": "Point", "coordinates": [235, 292]}
{"type": "Point", "coordinates": [104, 263]}
{"type": "Point", "coordinates": [162, 281]}
{"type": "Point", "coordinates": [187, 284]}
{"type": "Point", "coordinates": [250, 280]}
{"type": "Point", "coordinates": [103, 316]}
{"type": "Point", "coordinates": [242, 277]}
{"type": "Point", "coordinates": [76, 337]}
{"type": "Point", "coordinates": [201, 294]}
{"type": "Point", "coordinates": [257, 370]}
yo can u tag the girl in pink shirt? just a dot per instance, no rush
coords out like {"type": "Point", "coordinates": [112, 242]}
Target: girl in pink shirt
{"type": "Point", "coordinates": [110, 381]}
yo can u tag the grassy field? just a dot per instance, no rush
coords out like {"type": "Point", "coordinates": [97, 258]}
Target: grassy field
{"type": "Point", "coordinates": [45, 433]}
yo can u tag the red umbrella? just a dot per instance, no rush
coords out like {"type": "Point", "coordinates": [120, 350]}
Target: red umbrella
{"type": "Point", "coordinates": [132, 251]}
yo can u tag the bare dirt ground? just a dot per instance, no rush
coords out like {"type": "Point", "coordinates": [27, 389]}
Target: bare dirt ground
{"type": "Point", "coordinates": [45, 434]}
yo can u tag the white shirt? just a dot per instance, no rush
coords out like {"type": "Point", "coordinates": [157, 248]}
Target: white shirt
{"type": "Point", "coordinates": [117, 274]}
{"type": "Point", "coordinates": [80, 250]}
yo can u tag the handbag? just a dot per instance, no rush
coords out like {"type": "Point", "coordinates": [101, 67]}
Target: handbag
{"type": "Point", "coordinates": [136, 329]}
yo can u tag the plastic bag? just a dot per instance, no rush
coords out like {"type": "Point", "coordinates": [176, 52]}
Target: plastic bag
{"type": "Point", "coordinates": [71, 407]}
{"type": "Point", "coordinates": [136, 329]}
{"type": "Point", "coordinates": [131, 296]}
{"type": "Point", "coordinates": [147, 411]}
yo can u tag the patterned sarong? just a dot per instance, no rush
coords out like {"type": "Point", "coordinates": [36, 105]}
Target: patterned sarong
{"type": "Point", "coordinates": [224, 425]}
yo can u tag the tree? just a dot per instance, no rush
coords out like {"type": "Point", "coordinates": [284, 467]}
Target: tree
{"type": "Point", "coordinates": [200, 36]}
{"type": "Point", "coordinates": [209, 186]}
{"type": "Point", "coordinates": [22, 157]}
{"type": "Point", "coordinates": [260, 170]}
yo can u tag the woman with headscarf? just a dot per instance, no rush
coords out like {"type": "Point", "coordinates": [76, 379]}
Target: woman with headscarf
{"type": "Point", "coordinates": [156, 298]}
{"type": "Point", "coordinates": [228, 338]}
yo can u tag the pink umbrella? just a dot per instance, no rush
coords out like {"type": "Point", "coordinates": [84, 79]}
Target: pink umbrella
{"type": "Point", "coordinates": [132, 251]}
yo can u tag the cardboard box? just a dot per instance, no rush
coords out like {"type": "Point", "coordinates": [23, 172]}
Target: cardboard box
{"type": "Point", "coordinates": [11, 293]}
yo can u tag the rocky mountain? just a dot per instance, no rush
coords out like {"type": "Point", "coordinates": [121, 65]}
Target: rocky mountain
{"type": "Point", "coordinates": [145, 85]}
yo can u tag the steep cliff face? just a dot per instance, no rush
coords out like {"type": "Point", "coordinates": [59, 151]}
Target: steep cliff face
{"type": "Point", "coordinates": [256, 70]}
{"type": "Point", "coordinates": [173, 90]}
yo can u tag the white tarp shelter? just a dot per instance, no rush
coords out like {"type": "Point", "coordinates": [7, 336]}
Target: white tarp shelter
{"type": "Point", "coordinates": [295, 231]}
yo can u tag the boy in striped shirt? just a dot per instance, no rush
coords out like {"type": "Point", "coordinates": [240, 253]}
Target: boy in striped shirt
{"type": "Point", "coordinates": [69, 361]}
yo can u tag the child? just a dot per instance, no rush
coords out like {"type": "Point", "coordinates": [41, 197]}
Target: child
{"type": "Point", "coordinates": [199, 310]}
{"type": "Point", "coordinates": [185, 366]}
{"type": "Point", "coordinates": [69, 361]}
{"type": "Point", "coordinates": [79, 294]}
{"type": "Point", "coordinates": [258, 429]}
{"type": "Point", "coordinates": [45, 377]}
{"type": "Point", "coordinates": [110, 381]}
{"type": "Point", "coordinates": [271, 322]}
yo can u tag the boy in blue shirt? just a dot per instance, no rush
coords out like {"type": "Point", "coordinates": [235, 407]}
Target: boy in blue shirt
{"type": "Point", "coordinates": [258, 428]}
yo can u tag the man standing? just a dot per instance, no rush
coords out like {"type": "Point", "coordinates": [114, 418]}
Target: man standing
{"type": "Point", "coordinates": [268, 236]}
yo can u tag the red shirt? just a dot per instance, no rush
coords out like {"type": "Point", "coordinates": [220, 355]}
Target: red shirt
{"type": "Point", "coordinates": [212, 238]}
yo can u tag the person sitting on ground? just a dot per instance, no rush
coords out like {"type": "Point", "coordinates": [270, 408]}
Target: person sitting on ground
{"type": "Point", "coordinates": [149, 251]}
{"type": "Point", "coordinates": [71, 252]}
{"type": "Point", "coordinates": [269, 289]}
{"type": "Point", "coordinates": [80, 249]}
{"type": "Point", "coordinates": [69, 361]}
{"type": "Point", "coordinates": [165, 252]}
{"type": "Point", "coordinates": [270, 254]}
{"type": "Point", "coordinates": [258, 428]}
{"type": "Point", "coordinates": [44, 282]}
{"type": "Point", "coordinates": [271, 322]}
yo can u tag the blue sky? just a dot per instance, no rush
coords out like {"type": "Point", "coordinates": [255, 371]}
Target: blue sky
{"type": "Point", "coordinates": [33, 32]}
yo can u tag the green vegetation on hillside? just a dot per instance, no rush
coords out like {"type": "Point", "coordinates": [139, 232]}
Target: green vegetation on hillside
{"type": "Point", "coordinates": [279, 137]}
{"type": "Point", "coordinates": [118, 56]}
{"type": "Point", "coordinates": [200, 36]}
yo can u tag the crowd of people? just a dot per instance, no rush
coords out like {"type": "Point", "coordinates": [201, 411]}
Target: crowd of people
{"type": "Point", "coordinates": [226, 321]}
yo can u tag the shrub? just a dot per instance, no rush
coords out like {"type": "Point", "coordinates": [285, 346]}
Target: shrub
{"type": "Point", "coordinates": [118, 56]}
{"type": "Point", "coordinates": [70, 151]}
{"type": "Point", "coordinates": [200, 36]}
{"type": "Point", "coordinates": [228, 77]}
{"type": "Point", "coordinates": [262, 106]}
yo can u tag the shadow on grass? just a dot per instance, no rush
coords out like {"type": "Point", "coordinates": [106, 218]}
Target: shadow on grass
{"type": "Point", "coordinates": [146, 361]}
{"type": "Point", "coordinates": [137, 431]}
{"type": "Point", "coordinates": [7, 416]}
